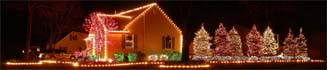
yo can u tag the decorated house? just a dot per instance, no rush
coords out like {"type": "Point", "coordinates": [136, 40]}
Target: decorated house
{"type": "Point", "coordinates": [144, 30]}
{"type": "Point", "coordinates": [72, 42]}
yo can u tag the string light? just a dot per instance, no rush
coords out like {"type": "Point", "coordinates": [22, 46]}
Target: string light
{"type": "Point", "coordinates": [146, 6]}
{"type": "Point", "coordinates": [181, 44]}
{"type": "Point", "coordinates": [149, 7]}
{"type": "Point", "coordinates": [75, 64]}
{"type": "Point", "coordinates": [96, 21]}
{"type": "Point", "coordinates": [98, 26]}
{"type": "Point", "coordinates": [120, 64]}
{"type": "Point", "coordinates": [267, 61]}
{"type": "Point", "coordinates": [48, 61]}
{"type": "Point", "coordinates": [184, 66]}
{"type": "Point", "coordinates": [138, 17]}
{"type": "Point", "coordinates": [24, 63]}
{"type": "Point", "coordinates": [161, 11]}
{"type": "Point", "coordinates": [107, 15]}
{"type": "Point", "coordinates": [118, 31]}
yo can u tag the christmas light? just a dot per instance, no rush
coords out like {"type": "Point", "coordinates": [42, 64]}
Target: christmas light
{"type": "Point", "coordinates": [119, 64]}
{"type": "Point", "coordinates": [236, 43]}
{"type": "Point", "coordinates": [75, 64]}
{"type": "Point", "coordinates": [146, 6]}
{"type": "Point", "coordinates": [301, 42]}
{"type": "Point", "coordinates": [184, 66]}
{"type": "Point", "coordinates": [138, 17]}
{"type": "Point", "coordinates": [132, 57]}
{"type": "Point", "coordinates": [171, 22]}
{"type": "Point", "coordinates": [163, 57]}
{"type": "Point", "coordinates": [107, 15]}
{"type": "Point", "coordinates": [48, 61]}
{"type": "Point", "coordinates": [291, 47]}
{"type": "Point", "coordinates": [153, 57]}
{"type": "Point", "coordinates": [110, 60]}
{"type": "Point", "coordinates": [181, 44]}
{"type": "Point", "coordinates": [266, 61]}
{"type": "Point", "coordinates": [24, 63]}
{"type": "Point", "coordinates": [254, 42]}
{"type": "Point", "coordinates": [270, 45]}
{"type": "Point", "coordinates": [118, 31]}
{"type": "Point", "coordinates": [98, 25]}
{"type": "Point", "coordinates": [201, 43]}
{"type": "Point", "coordinates": [223, 42]}
{"type": "Point", "coordinates": [150, 6]}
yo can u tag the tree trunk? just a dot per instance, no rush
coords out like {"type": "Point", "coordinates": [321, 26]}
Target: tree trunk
{"type": "Point", "coordinates": [28, 32]}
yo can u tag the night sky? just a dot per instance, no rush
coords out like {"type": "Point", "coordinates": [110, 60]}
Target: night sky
{"type": "Point", "coordinates": [187, 15]}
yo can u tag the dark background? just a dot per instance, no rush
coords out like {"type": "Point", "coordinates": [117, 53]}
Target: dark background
{"type": "Point", "coordinates": [187, 15]}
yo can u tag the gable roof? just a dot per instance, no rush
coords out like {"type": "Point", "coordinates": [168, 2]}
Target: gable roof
{"type": "Point", "coordinates": [136, 13]}
{"type": "Point", "coordinates": [80, 36]}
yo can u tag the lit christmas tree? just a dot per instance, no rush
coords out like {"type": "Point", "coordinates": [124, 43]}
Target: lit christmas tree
{"type": "Point", "coordinates": [97, 27]}
{"type": "Point", "coordinates": [254, 41]}
{"type": "Point", "coordinates": [270, 45]}
{"type": "Point", "coordinates": [236, 42]}
{"type": "Point", "coordinates": [301, 42]}
{"type": "Point", "coordinates": [93, 25]}
{"type": "Point", "coordinates": [223, 42]}
{"type": "Point", "coordinates": [201, 43]}
{"type": "Point", "coordinates": [291, 47]}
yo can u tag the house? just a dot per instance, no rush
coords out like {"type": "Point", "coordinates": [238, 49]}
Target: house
{"type": "Point", "coordinates": [145, 29]}
{"type": "Point", "coordinates": [72, 42]}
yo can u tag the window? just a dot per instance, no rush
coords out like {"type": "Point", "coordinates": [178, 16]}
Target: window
{"type": "Point", "coordinates": [168, 42]}
{"type": "Point", "coordinates": [128, 41]}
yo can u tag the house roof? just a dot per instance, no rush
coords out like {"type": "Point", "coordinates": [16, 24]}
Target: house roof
{"type": "Point", "coordinates": [126, 18]}
{"type": "Point", "coordinates": [138, 12]}
{"type": "Point", "coordinates": [80, 35]}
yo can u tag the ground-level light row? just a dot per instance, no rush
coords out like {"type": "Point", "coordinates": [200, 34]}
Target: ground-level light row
{"type": "Point", "coordinates": [184, 66]}
{"type": "Point", "coordinates": [40, 62]}
{"type": "Point", "coordinates": [116, 64]}
{"type": "Point", "coordinates": [24, 63]}
{"type": "Point", "coordinates": [266, 61]}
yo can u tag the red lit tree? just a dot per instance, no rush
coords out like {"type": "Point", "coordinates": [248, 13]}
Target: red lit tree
{"type": "Point", "coordinates": [301, 42]}
{"type": "Point", "coordinates": [97, 26]}
{"type": "Point", "coordinates": [91, 21]}
{"type": "Point", "coordinates": [254, 41]}
{"type": "Point", "coordinates": [290, 45]}
{"type": "Point", "coordinates": [98, 21]}
{"type": "Point", "coordinates": [94, 25]}
{"type": "Point", "coordinates": [223, 42]}
{"type": "Point", "coordinates": [111, 24]}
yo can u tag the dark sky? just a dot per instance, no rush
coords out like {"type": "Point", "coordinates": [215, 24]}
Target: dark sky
{"type": "Point", "coordinates": [187, 15]}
